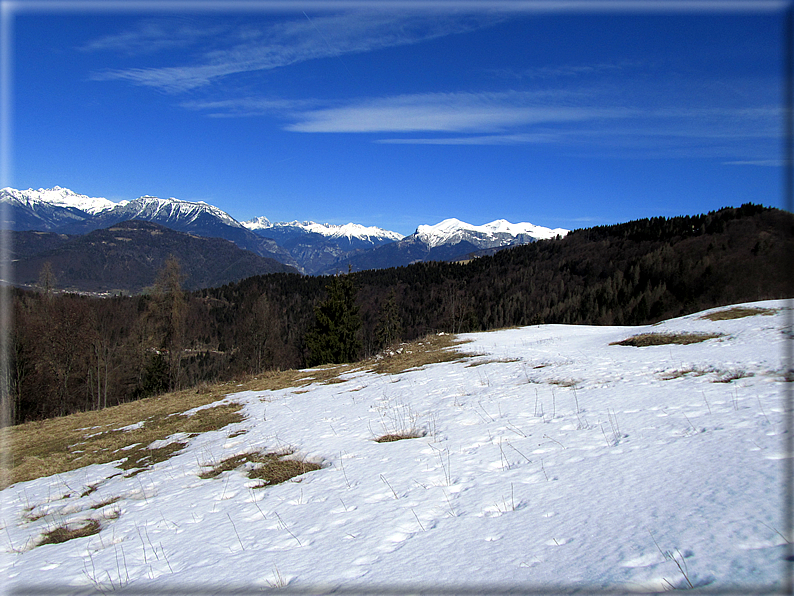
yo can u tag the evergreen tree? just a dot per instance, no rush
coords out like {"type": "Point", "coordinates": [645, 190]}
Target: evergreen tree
{"type": "Point", "coordinates": [389, 328]}
{"type": "Point", "coordinates": [334, 337]}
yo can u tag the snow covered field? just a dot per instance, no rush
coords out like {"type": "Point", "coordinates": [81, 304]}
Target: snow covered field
{"type": "Point", "coordinates": [548, 458]}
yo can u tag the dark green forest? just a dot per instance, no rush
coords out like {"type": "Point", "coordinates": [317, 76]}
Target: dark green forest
{"type": "Point", "coordinates": [71, 352]}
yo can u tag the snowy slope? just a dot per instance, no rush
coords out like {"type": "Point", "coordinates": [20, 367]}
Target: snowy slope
{"type": "Point", "coordinates": [350, 231]}
{"type": "Point", "coordinates": [550, 458]}
{"type": "Point", "coordinates": [497, 233]}
{"type": "Point", "coordinates": [48, 208]}
{"type": "Point", "coordinates": [258, 223]}
{"type": "Point", "coordinates": [174, 211]}
{"type": "Point", "coordinates": [319, 248]}
{"type": "Point", "coordinates": [58, 197]}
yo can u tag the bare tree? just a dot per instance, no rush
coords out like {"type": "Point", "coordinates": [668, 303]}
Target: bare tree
{"type": "Point", "coordinates": [47, 280]}
{"type": "Point", "coordinates": [167, 314]}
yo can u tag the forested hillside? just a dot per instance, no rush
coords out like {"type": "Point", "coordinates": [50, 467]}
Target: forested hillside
{"type": "Point", "coordinates": [71, 352]}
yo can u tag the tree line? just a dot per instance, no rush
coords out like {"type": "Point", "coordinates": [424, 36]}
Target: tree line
{"type": "Point", "coordinates": [70, 352]}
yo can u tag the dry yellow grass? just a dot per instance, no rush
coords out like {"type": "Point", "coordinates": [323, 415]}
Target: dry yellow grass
{"type": "Point", "coordinates": [493, 361]}
{"type": "Point", "coordinates": [57, 445]}
{"type": "Point", "coordinates": [429, 350]}
{"type": "Point", "coordinates": [269, 468]}
{"type": "Point", "coordinates": [391, 437]}
{"type": "Point", "coordinates": [64, 533]}
{"type": "Point", "coordinates": [738, 312]}
{"type": "Point", "coordinates": [663, 339]}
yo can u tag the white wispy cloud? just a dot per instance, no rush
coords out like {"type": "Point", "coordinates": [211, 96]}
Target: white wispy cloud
{"type": "Point", "coordinates": [448, 112]}
{"type": "Point", "coordinates": [580, 120]}
{"type": "Point", "coordinates": [499, 139]}
{"type": "Point", "coordinates": [252, 48]}
{"type": "Point", "coordinates": [567, 70]}
{"type": "Point", "coordinates": [250, 106]}
{"type": "Point", "coordinates": [156, 35]}
{"type": "Point", "coordinates": [777, 163]}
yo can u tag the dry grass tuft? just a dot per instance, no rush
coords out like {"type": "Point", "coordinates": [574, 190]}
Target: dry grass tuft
{"type": "Point", "coordinates": [278, 470]}
{"type": "Point", "coordinates": [722, 376]}
{"type": "Point", "coordinates": [727, 376]}
{"type": "Point", "coordinates": [493, 361]}
{"type": "Point", "coordinates": [65, 532]}
{"type": "Point", "coordinates": [270, 468]}
{"type": "Point", "coordinates": [564, 382]}
{"type": "Point", "coordinates": [663, 339]}
{"type": "Point", "coordinates": [738, 312]}
{"type": "Point", "coordinates": [391, 437]}
{"type": "Point", "coordinates": [106, 502]}
{"type": "Point", "coordinates": [682, 372]}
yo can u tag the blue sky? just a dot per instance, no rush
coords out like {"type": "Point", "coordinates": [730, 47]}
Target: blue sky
{"type": "Point", "coordinates": [400, 114]}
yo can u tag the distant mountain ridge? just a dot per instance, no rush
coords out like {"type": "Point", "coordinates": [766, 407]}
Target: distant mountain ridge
{"type": "Point", "coordinates": [127, 256]}
{"type": "Point", "coordinates": [450, 240]}
{"type": "Point", "coordinates": [321, 247]}
{"type": "Point", "coordinates": [47, 209]}
{"type": "Point", "coordinates": [310, 247]}
{"type": "Point", "coordinates": [197, 218]}
{"type": "Point", "coordinates": [491, 235]}
{"type": "Point", "coordinates": [350, 230]}
{"type": "Point", "coordinates": [62, 197]}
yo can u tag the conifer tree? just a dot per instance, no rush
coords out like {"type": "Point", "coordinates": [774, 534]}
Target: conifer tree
{"type": "Point", "coordinates": [389, 327]}
{"type": "Point", "coordinates": [334, 337]}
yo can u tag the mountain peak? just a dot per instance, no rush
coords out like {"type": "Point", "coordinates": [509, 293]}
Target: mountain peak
{"type": "Point", "coordinates": [496, 233]}
{"type": "Point", "coordinates": [149, 207]}
{"type": "Point", "coordinates": [258, 223]}
{"type": "Point", "coordinates": [57, 196]}
{"type": "Point", "coordinates": [333, 231]}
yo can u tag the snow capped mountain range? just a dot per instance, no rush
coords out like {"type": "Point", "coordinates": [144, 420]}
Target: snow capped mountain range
{"type": "Point", "coordinates": [497, 233]}
{"type": "Point", "coordinates": [58, 197]}
{"type": "Point", "coordinates": [349, 231]}
{"type": "Point", "coordinates": [313, 248]}
{"type": "Point", "coordinates": [155, 208]}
